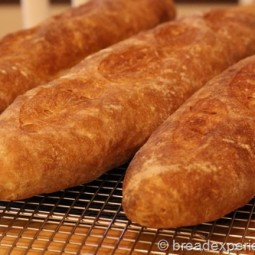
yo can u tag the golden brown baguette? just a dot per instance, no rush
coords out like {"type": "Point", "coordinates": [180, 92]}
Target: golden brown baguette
{"type": "Point", "coordinates": [75, 128]}
{"type": "Point", "coordinates": [199, 164]}
{"type": "Point", "coordinates": [32, 57]}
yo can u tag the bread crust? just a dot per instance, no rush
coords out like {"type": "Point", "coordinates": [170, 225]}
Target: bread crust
{"type": "Point", "coordinates": [97, 116]}
{"type": "Point", "coordinates": [35, 56]}
{"type": "Point", "coordinates": [199, 164]}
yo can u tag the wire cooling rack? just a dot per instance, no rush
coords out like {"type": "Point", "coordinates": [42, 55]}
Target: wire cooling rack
{"type": "Point", "coordinates": [89, 219]}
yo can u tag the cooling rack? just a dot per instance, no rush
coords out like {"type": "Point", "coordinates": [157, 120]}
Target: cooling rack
{"type": "Point", "coordinates": [89, 219]}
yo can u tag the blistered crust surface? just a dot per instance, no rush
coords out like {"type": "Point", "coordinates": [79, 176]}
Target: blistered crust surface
{"type": "Point", "coordinates": [98, 115]}
{"type": "Point", "coordinates": [32, 57]}
{"type": "Point", "coordinates": [199, 164]}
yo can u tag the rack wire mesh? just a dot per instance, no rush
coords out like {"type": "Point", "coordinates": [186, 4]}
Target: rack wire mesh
{"type": "Point", "coordinates": [88, 219]}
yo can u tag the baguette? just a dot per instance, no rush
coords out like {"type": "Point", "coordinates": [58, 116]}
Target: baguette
{"type": "Point", "coordinates": [199, 164]}
{"type": "Point", "coordinates": [73, 129]}
{"type": "Point", "coordinates": [32, 57]}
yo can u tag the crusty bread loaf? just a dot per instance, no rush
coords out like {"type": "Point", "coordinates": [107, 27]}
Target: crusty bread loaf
{"type": "Point", "coordinates": [97, 116]}
{"type": "Point", "coordinates": [32, 57]}
{"type": "Point", "coordinates": [199, 164]}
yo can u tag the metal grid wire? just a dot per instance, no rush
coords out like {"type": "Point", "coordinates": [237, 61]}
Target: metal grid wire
{"type": "Point", "coordinates": [89, 219]}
